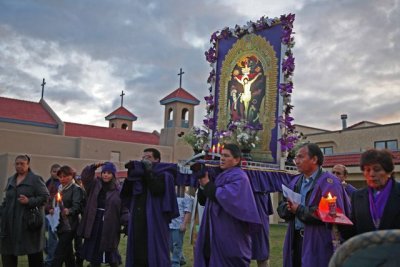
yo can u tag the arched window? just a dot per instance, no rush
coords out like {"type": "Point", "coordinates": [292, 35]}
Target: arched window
{"type": "Point", "coordinates": [112, 125]}
{"type": "Point", "coordinates": [185, 118]}
{"type": "Point", "coordinates": [170, 121]}
{"type": "Point", "coordinates": [124, 126]}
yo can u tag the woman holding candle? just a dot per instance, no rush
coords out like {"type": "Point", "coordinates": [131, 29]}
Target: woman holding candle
{"type": "Point", "coordinates": [376, 207]}
{"type": "Point", "coordinates": [24, 190]}
{"type": "Point", "coordinates": [69, 200]}
{"type": "Point", "coordinates": [103, 217]}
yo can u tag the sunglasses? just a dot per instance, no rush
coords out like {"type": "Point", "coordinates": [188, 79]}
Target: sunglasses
{"type": "Point", "coordinates": [337, 173]}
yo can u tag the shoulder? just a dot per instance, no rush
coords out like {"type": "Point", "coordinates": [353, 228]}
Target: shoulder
{"type": "Point", "coordinates": [35, 179]}
{"type": "Point", "coordinates": [329, 179]}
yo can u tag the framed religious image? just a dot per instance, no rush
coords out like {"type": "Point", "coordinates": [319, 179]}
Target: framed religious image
{"type": "Point", "coordinates": [246, 87]}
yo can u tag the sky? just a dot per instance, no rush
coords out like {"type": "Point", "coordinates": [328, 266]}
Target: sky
{"type": "Point", "coordinates": [347, 55]}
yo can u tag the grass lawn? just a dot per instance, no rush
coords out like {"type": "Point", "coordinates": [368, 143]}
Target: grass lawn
{"type": "Point", "coordinates": [277, 234]}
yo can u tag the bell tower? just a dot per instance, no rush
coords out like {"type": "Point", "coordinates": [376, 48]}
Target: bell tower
{"type": "Point", "coordinates": [178, 119]}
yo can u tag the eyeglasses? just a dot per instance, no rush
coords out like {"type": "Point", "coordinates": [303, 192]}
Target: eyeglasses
{"type": "Point", "coordinates": [337, 173]}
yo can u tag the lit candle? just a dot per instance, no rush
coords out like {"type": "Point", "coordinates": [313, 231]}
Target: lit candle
{"type": "Point", "coordinates": [218, 148]}
{"type": "Point", "coordinates": [213, 151]}
{"type": "Point", "coordinates": [331, 204]}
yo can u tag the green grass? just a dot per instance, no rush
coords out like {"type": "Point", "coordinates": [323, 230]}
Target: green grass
{"type": "Point", "coordinates": [277, 235]}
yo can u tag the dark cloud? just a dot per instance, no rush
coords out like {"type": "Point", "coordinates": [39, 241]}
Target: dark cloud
{"type": "Point", "coordinates": [90, 51]}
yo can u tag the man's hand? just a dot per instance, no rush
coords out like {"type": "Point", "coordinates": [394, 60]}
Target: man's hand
{"type": "Point", "coordinates": [204, 180]}
{"type": "Point", "coordinates": [292, 206]}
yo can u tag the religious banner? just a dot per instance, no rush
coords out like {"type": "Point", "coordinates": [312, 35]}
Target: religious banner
{"type": "Point", "coordinates": [251, 83]}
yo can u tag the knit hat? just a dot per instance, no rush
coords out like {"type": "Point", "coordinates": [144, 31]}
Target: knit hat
{"type": "Point", "coordinates": [109, 167]}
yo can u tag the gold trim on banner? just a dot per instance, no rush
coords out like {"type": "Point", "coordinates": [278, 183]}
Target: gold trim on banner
{"type": "Point", "coordinates": [249, 45]}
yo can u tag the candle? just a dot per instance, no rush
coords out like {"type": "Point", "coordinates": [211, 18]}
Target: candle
{"type": "Point", "coordinates": [213, 151]}
{"type": "Point", "coordinates": [331, 205]}
{"type": "Point", "coordinates": [218, 148]}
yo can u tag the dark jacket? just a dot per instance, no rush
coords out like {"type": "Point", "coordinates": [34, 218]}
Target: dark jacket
{"type": "Point", "coordinates": [15, 237]}
{"type": "Point", "coordinates": [114, 215]}
{"type": "Point", "coordinates": [361, 215]}
{"type": "Point", "coordinates": [72, 198]}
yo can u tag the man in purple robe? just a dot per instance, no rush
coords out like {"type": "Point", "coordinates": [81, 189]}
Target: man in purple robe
{"type": "Point", "coordinates": [230, 215]}
{"type": "Point", "coordinates": [308, 241]}
{"type": "Point", "coordinates": [341, 172]}
{"type": "Point", "coordinates": [149, 192]}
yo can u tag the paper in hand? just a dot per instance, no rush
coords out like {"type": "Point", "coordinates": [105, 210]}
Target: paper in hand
{"type": "Point", "coordinates": [290, 194]}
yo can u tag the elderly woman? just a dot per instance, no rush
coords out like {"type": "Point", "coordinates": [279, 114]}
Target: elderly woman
{"type": "Point", "coordinates": [24, 191]}
{"type": "Point", "coordinates": [229, 217]}
{"type": "Point", "coordinates": [376, 207]}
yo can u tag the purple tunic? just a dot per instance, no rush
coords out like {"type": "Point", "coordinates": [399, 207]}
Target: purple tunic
{"type": "Point", "coordinates": [159, 212]}
{"type": "Point", "coordinates": [231, 220]}
{"type": "Point", "coordinates": [317, 242]}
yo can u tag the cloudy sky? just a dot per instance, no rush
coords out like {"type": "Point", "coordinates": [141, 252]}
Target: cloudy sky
{"type": "Point", "coordinates": [347, 55]}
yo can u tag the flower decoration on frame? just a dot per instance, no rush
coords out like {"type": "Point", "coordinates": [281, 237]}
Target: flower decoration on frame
{"type": "Point", "coordinates": [240, 133]}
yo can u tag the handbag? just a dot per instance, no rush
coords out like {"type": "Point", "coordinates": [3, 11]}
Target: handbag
{"type": "Point", "coordinates": [34, 218]}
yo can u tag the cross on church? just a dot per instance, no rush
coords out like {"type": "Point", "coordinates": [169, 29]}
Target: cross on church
{"type": "Point", "coordinates": [180, 78]}
{"type": "Point", "coordinates": [122, 97]}
{"type": "Point", "coordinates": [43, 84]}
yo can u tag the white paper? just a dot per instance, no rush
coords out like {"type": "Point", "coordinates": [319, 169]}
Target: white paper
{"type": "Point", "coordinates": [291, 195]}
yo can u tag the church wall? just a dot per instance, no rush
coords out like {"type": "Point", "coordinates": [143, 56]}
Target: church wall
{"type": "Point", "coordinates": [28, 128]}
{"type": "Point", "coordinates": [26, 142]}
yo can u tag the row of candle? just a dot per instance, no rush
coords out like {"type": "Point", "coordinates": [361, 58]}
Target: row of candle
{"type": "Point", "coordinates": [217, 149]}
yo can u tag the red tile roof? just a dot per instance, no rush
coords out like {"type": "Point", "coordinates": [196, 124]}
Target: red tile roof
{"type": "Point", "coordinates": [351, 159]}
{"type": "Point", "coordinates": [121, 112]}
{"type": "Point", "coordinates": [113, 134]}
{"type": "Point", "coordinates": [180, 94]}
{"type": "Point", "coordinates": [25, 111]}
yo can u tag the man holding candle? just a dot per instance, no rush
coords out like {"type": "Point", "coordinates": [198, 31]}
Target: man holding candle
{"type": "Point", "coordinates": [308, 240]}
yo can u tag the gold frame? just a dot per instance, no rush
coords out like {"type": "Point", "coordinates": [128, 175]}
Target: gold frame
{"type": "Point", "coordinates": [248, 45]}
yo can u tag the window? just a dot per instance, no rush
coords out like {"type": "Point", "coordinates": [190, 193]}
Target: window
{"type": "Point", "coordinates": [115, 156]}
{"type": "Point", "coordinates": [185, 118]}
{"type": "Point", "coordinates": [389, 144]}
{"type": "Point", "coordinates": [170, 121]}
{"type": "Point", "coordinates": [124, 126]}
{"type": "Point", "coordinates": [327, 150]}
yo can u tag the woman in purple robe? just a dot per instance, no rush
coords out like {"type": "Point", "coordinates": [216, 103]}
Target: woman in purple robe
{"type": "Point", "coordinates": [230, 215]}
{"type": "Point", "coordinates": [375, 207]}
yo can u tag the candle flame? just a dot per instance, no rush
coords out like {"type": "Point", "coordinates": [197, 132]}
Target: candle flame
{"type": "Point", "coordinates": [329, 196]}
{"type": "Point", "coordinates": [58, 197]}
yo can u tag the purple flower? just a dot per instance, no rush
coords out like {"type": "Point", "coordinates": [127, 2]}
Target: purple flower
{"type": "Point", "coordinates": [214, 37]}
{"type": "Point", "coordinates": [288, 64]}
{"type": "Point", "coordinates": [287, 20]}
{"type": "Point", "coordinates": [285, 88]}
{"type": "Point", "coordinates": [209, 99]}
{"type": "Point", "coordinates": [211, 55]}
{"type": "Point", "coordinates": [209, 122]}
{"type": "Point", "coordinates": [211, 77]}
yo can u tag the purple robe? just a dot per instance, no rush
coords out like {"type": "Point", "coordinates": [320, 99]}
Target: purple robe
{"type": "Point", "coordinates": [231, 219]}
{"type": "Point", "coordinates": [159, 212]}
{"type": "Point", "coordinates": [317, 242]}
{"type": "Point", "coordinates": [349, 189]}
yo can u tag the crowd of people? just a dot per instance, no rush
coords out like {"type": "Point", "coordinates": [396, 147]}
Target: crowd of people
{"type": "Point", "coordinates": [84, 216]}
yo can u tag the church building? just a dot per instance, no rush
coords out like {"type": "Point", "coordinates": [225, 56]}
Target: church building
{"type": "Point", "coordinates": [34, 128]}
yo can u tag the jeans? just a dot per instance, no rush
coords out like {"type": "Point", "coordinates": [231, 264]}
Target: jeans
{"type": "Point", "coordinates": [175, 246]}
{"type": "Point", "coordinates": [51, 244]}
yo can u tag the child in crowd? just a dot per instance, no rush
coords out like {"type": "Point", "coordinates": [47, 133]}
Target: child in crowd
{"type": "Point", "coordinates": [103, 216]}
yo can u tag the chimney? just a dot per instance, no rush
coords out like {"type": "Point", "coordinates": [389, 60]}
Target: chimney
{"type": "Point", "coordinates": [344, 121]}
